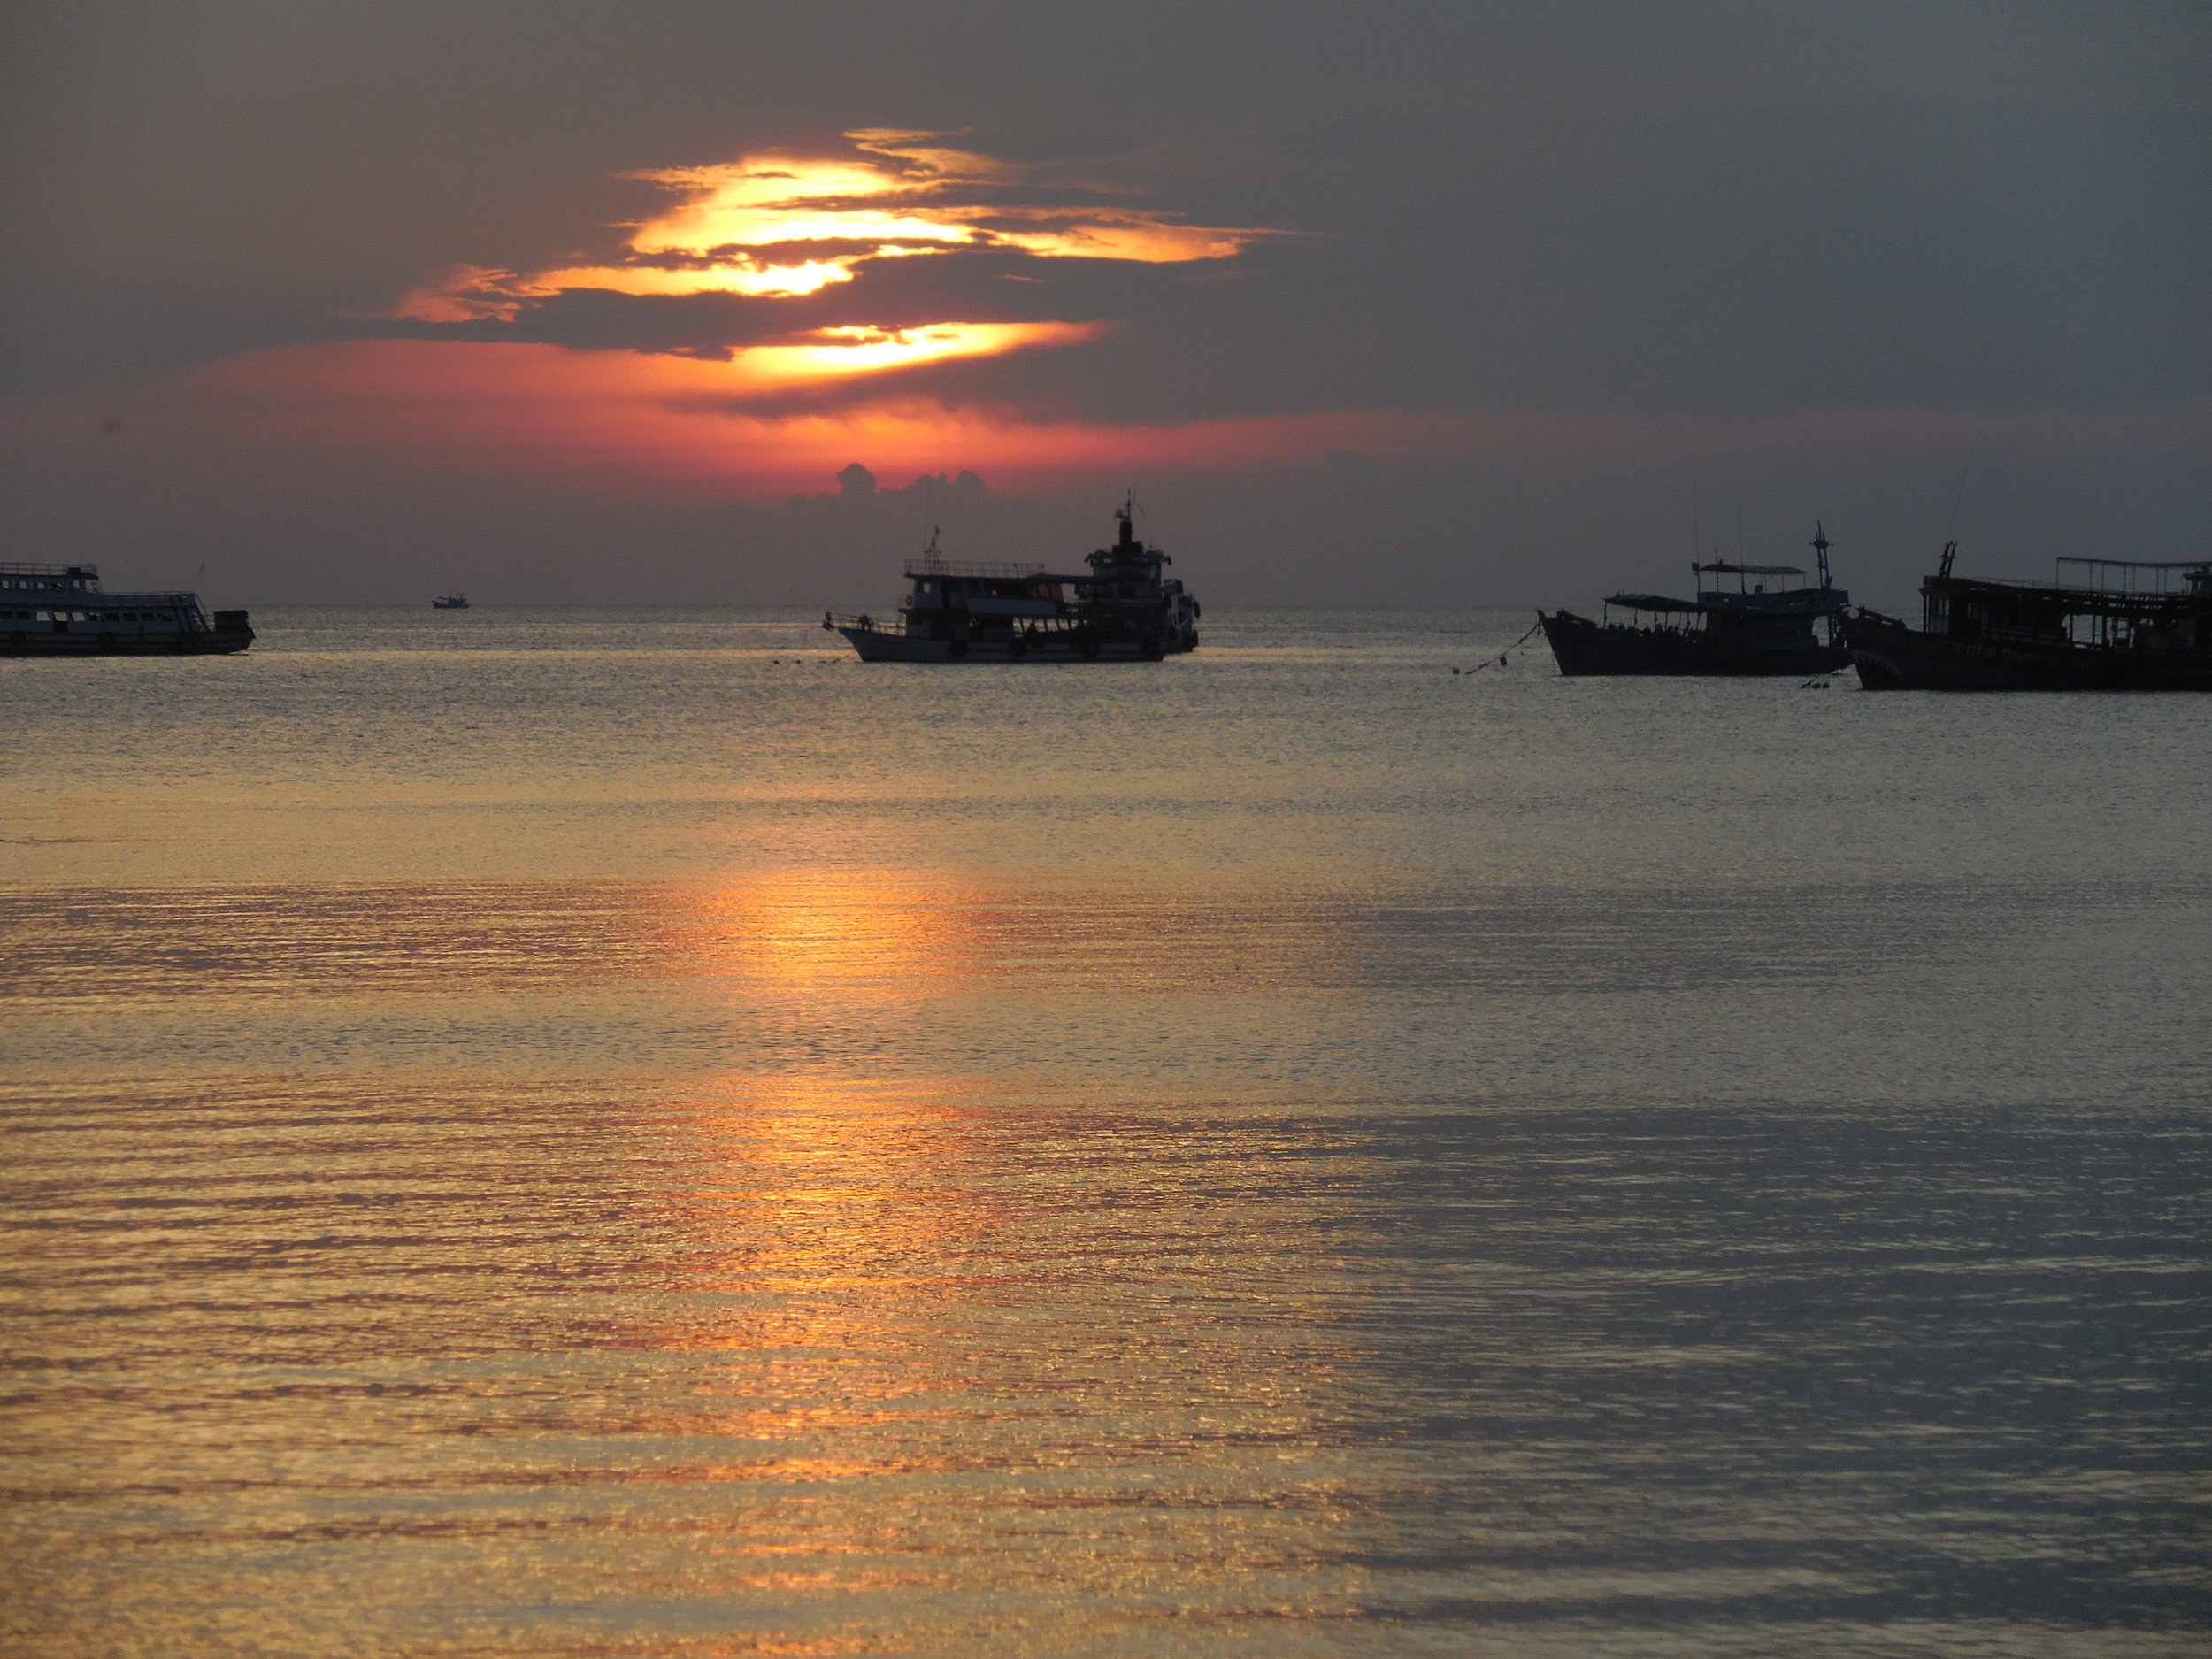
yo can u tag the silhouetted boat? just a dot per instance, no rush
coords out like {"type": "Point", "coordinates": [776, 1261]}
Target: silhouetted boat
{"type": "Point", "coordinates": [450, 601]}
{"type": "Point", "coordinates": [962, 610]}
{"type": "Point", "coordinates": [1751, 629]}
{"type": "Point", "coordinates": [59, 611]}
{"type": "Point", "coordinates": [2120, 625]}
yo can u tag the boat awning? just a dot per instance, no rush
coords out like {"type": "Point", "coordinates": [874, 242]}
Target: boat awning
{"type": "Point", "coordinates": [1718, 569]}
{"type": "Point", "coordinates": [1659, 602]}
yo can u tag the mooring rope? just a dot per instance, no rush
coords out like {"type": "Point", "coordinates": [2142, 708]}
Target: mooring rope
{"type": "Point", "coordinates": [1505, 653]}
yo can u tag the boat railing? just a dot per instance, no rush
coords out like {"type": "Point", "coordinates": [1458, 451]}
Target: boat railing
{"type": "Point", "coordinates": [2047, 601]}
{"type": "Point", "coordinates": [22, 567]}
{"type": "Point", "coordinates": [998, 569]}
{"type": "Point", "coordinates": [23, 576]}
{"type": "Point", "coordinates": [2132, 577]}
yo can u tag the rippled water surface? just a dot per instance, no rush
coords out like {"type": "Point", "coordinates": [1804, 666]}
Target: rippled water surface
{"type": "Point", "coordinates": [550, 1133]}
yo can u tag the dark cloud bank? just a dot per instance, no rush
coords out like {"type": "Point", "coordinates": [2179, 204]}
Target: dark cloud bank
{"type": "Point", "coordinates": [1708, 215]}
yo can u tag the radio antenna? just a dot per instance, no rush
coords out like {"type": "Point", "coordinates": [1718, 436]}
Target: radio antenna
{"type": "Point", "coordinates": [1964, 469]}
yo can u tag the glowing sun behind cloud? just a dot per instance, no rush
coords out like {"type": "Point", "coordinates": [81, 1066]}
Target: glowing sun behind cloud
{"type": "Point", "coordinates": [684, 424]}
{"type": "Point", "coordinates": [734, 334]}
{"type": "Point", "coordinates": [785, 226]}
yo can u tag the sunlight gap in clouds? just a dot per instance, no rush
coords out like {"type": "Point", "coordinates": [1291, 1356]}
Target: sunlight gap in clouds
{"type": "Point", "coordinates": [754, 226]}
{"type": "Point", "coordinates": [828, 353]}
{"type": "Point", "coordinates": [773, 227]}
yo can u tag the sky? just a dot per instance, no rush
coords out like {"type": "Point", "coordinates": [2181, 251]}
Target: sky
{"type": "Point", "coordinates": [1466, 304]}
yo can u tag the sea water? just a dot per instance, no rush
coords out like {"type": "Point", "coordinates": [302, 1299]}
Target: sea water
{"type": "Point", "coordinates": [562, 1133]}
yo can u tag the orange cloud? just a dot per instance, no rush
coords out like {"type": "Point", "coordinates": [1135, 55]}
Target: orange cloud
{"type": "Point", "coordinates": [668, 420]}
{"type": "Point", "coordinates": [494, 387]}
{"type": "Point", "coordinates": [627, 421]}
{"type": "Point", "coordinates": [754, 226]}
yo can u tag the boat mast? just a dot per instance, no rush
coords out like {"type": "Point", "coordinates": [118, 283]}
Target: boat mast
{"type": "Point", "coordinates": [1820, 545]}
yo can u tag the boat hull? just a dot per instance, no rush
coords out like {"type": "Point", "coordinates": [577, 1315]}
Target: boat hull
{"type": "Point", "coordinates": [34, 642]}
{"type": "Point", "coordinates": [880, 645]}
{"type": "Point", "coordinates": [1581, 647]}
{"type": "Point", "coordinates": [1891, 657]}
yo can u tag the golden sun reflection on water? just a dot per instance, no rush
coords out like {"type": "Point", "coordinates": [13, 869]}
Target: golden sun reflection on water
{"type": "Point", "coordinates": [886, 935]}
{"type": "Point", "coordinates": [922, 1321]}
{"type": "Point", "coordinates": [984, 1269]}
{"type": "Point", "coordinates": [862, 975]}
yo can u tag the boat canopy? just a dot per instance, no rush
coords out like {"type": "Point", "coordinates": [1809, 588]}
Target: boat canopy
{"type": "Point", "coordinates": [1721, 568]}
{"type": "Point", "coordinates": [1659, 602]}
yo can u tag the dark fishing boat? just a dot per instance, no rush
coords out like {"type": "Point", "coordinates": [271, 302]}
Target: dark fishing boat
{"type": "Point", "coordinates": [1760, 625]}
{"type": "Point", "coordinates": [2102, 624]}
{"type": "Point", "coordinates": [960, 610]}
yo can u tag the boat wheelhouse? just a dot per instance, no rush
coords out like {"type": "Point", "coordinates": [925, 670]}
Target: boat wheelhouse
{"type": "Point", "coordinates": [1746, 619]}
{"type": "Point", "coordinates": [1121, 609]}
{"type": "Point", "coordinates": [2101, 625]}
{"type": "Point", "coordinates": [60, 611]}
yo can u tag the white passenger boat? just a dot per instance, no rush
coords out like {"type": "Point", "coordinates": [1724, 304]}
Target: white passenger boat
{"type": "Point", "coordinates": [962, 611]}
{"type": "Point", "coordinates": [59, 611]}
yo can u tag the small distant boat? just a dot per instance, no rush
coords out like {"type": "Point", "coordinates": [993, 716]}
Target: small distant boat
{"type": "Point", "coordinates": [1762, 626]}
{"type": "Point", "coordinates": [60, 611]}
{"type": "Point", "coordinates": [450, 601]}
{"type": "Point", "coordinates": [973, 611]}
{"type": "Point", "coordinates": [2103, 624]}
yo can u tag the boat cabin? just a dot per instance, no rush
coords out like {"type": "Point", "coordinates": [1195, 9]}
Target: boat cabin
{"type": "Point", "coordinates": [47, 608]}
{"type": "Point", "coordinates": [1765, 604]}
{"type": "Point", "coordinates": [1122, 592]}
{"type": "Point", "coordinates": [976, 610]}
{"type": "Point", "coordinates": [2115, 604]}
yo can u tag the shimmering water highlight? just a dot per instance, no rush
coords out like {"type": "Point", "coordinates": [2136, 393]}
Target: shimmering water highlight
{"type": "Point", "coordinates": [568, 1136]}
